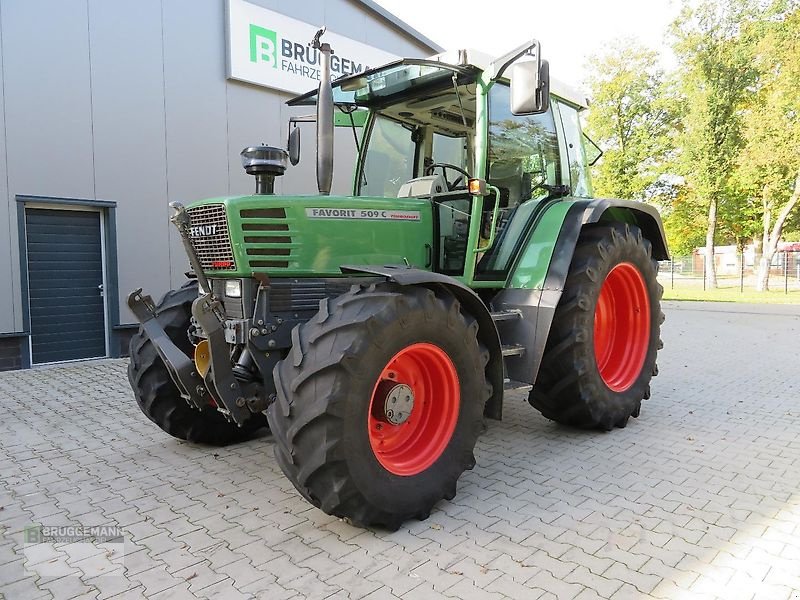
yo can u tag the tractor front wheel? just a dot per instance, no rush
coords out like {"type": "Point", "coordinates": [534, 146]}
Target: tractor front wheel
{"type": "Point", "coordinates": [380, 403]}
{"type": "Point", "coordinates": [601, 350]}
{"type": "Point", "coordinates": [156, 394]}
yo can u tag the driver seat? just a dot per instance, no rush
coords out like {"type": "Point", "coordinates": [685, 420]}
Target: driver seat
{"type": "Point", "coordinates": [423, 186]}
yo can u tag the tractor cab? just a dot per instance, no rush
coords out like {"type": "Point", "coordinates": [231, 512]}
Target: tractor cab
{"type": "Point", "coordinates": [451, 133]}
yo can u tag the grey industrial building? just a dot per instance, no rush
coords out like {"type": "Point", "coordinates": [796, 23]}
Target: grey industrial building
{"type": "Point", "coordinates": [108, 111]}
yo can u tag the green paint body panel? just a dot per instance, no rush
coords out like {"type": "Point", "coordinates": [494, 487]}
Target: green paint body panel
{"type": "Point", "coordinates": [305, 246]}
{"type": "Point", "coordinates": [341, 119]}
{"type": "Point", "coordinates": [531, 268]}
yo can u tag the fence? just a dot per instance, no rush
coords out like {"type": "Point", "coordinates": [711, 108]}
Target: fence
{"type": "Point", "coordinates": [734, 271]}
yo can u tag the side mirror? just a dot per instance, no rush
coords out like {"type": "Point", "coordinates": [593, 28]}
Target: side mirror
{"type": "Point", "coordinates": [294, 145]}
{"type": "Point", "coordinates": [530, 87]}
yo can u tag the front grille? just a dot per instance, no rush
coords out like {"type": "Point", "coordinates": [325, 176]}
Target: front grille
{"type": "Point", "coordinates": [210, 237]}
{"type": "Point", "coordinates": [268, 244]}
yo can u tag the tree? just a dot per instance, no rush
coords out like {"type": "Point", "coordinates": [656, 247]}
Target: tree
{"type": "Point", "coordinates": [684, 220]}
{"type": "Point", "coordinates": [769, 167]}
{"type": "Point", "coordinates": [632, 117]}
{"type": "Point", "coordinates": [717, 73]}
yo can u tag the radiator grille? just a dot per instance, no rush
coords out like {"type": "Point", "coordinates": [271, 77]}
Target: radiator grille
{"type": "Point", "coordinates": [298, 295]}
{"type": "Point", "coordinates": [211, 238]}
{"type": "Point", "coordinates": [267, 242]}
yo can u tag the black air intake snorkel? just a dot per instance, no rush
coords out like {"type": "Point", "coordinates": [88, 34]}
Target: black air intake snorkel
{"type": "Point", "coordinates": [324, 116]}
{"type": "Point", "coordinates": [265, 163]}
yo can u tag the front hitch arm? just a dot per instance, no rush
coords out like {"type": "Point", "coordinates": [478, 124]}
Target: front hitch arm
{"type": "Point", "coordinates": [180, 367]}
{"type": "Point", "coordinates": [219, 387]}
{"type": "Point", "coordinates": [220, 378]}
{"type": "Point", "coordinates": [182, 223]}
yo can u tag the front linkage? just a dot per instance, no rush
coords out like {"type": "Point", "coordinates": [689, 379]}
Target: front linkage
{"type": "Point", "coordinates": [231, 370]}
{"type": "Point", "coordinates": [208, 380]}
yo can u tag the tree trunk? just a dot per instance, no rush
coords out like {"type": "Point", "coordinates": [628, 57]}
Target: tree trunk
{"type": "Point", "coordinates": [762, 282]}
{"type": "Point", "coordinates": [758, 247]}
{"type": "Point", "coordinates": [773, 236]}
{"type": "Point", "coordinates": [767, 249]}
{"type": "Point", "coordinates": [711, 271]}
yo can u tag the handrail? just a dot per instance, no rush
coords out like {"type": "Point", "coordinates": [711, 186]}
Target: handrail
{"type": "Point", "coordinates": [495, 211]}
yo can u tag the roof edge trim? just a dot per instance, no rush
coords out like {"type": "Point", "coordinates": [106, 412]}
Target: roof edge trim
{"type": "Point", "coordinates": [399, 24]}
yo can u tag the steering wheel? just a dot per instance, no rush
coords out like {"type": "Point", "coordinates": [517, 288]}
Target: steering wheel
{"type": "Point", "coordinates": [444, 166]}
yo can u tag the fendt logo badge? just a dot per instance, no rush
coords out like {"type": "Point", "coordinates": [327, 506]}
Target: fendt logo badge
{"type": "Point", "coordinates": [203, 230]}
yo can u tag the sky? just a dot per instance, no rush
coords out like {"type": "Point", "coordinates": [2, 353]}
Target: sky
{"type": "Point", "coordinates": [570, 31]}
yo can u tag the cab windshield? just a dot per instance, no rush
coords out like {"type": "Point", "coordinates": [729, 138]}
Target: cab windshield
{"type": "Point", "coordinates": [399, 151]}
{"type": "Point", "coordinates": [423, 146]}
{"type": "Point", "coordinates": [411, 136]}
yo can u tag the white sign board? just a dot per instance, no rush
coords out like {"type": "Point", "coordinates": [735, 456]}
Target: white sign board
{"type": "Point", "coordinates": [270, 49]}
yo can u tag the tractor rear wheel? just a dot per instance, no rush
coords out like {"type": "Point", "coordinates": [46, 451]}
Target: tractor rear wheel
{"type": "Point", "coordinates": [380, 403]}
{"type": "Point", "coordinates": [156, 394]}
{"type": "Point", "coordinates": [601, 351]}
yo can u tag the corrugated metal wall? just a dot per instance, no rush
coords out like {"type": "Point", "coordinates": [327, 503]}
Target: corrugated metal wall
{"type": "Point", "coordinates": [128, 102]}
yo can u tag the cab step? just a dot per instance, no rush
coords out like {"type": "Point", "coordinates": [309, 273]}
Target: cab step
{"type": "Point", "coordinates": [513, 349]}
{"type": "Point", "coordinates": [509, 385]}
{"type": "Point", "coordinates": [506, 315]}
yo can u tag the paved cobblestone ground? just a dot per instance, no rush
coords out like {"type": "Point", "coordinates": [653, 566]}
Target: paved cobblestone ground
{"type": "Point", "coordinates": [697, 498]}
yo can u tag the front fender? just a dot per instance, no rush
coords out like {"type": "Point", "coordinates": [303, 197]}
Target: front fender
{"type": "Point", "coordinates": [487, 331]}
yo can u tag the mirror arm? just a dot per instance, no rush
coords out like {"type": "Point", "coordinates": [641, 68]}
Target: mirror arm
{"type": "Point", "coordinates": [498, 66]}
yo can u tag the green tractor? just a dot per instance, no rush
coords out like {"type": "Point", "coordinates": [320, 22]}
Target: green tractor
{"type": "Point", "coordinates": [374, 333]}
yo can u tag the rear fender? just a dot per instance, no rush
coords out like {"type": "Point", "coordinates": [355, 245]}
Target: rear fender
{"type": "Point", "coordinates": [538, 305]}
{"type": "Point", "coordinates": [644, 216]}
{"type": "Point", "coordinates": [487, 331]}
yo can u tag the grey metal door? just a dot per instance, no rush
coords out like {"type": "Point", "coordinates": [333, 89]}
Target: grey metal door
{"type": "Point", "coordinates": [65, 283]}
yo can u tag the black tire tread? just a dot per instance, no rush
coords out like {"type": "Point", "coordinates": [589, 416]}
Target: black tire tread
{"type": "Point", "coordinates": [568, 388]}
{"type": "Point", "coordinates": [312, 384]}
{"type": "Point", "coordinates": [156, 394]}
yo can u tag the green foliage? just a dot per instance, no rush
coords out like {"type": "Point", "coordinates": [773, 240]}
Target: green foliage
{"type": "Point", "coordinates": [684, 223]}
{"type": "Point", "coordinates": [632, 118]}
{"type": "Point", "coordinates": [770, 161]}
{"type": "Point", "coordinates": [717, 143]}
{"type": "Point", "coordinates": [716, 74]}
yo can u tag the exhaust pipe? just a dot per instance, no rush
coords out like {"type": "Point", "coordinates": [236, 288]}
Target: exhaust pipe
{"type": "Point", "coordinates": [324, 117]}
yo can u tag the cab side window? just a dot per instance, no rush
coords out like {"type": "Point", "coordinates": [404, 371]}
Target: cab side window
{"type": "Point", "coordinates": [580, 183]}
{"type": "Point", "coordinates": [523, 150]}
{"type": "Point", "coordinates": [523, 156]}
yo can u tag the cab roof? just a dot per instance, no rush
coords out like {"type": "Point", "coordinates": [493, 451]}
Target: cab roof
{"type": "Point", "coordinates": [375, 85]}
{"type": "Point", "coordinates": [481, 60]}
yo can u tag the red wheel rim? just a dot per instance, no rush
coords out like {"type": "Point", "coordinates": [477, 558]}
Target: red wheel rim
{"type": "Point", "coordinates": [411, 446]}
{"type": "Point", "coordinates": [622, 327]}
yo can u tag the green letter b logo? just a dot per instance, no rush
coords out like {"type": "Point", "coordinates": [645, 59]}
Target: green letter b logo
{"type": "Point", "coordinates": [263, 46]}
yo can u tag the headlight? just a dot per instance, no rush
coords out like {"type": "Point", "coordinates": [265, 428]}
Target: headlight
{"type": "Point", "coordinates": [233, 288]}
